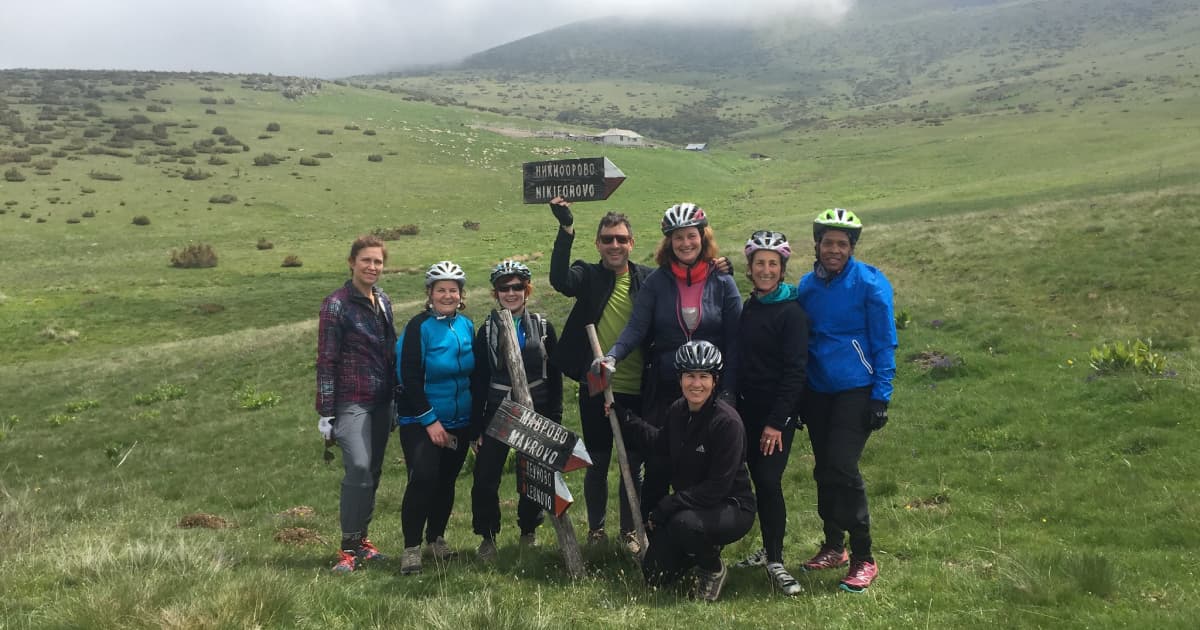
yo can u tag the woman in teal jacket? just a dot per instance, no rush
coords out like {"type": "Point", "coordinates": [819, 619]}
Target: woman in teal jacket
{"type": "Point", "coordinates": [851, 362]}
{"type": "Point", "coordinates": [434, 365]}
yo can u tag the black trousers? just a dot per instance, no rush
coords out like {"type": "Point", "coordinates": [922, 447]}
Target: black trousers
{"type": "Point", "coordinates": [838, 433]}
{"type": "Point", "coordinates": [657, 483]}
{"type": "Point", "coordinates": [432, 471]}
{"type": "Point", "coordinates": [693, 538]}
{"type": "Point", "coordinates": [485, 492]}
{"type": "Point", "coordinates": [766, 471]}
{"type": "Point", "coordinates": [598, 438]}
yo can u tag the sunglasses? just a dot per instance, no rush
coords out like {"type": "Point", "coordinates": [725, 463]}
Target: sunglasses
{"type": "Point", "coordinates": [505, 288]}
{"type": "Point", "coordinates": [607, 239]}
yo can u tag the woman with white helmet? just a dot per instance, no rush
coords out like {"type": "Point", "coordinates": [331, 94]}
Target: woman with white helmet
{"type": "Point", "coordinates": [774, 345]}
{"type": "Point", "coordinates": [685, 299]}
{"type": "Point", "coordinates": [851, 362]}
{"type": "Point", "coordinates": [712, 505]}
{"type": "Point", "coordinates": [434, 365]}
{"type": "Point", "coordinates": [511, 286]}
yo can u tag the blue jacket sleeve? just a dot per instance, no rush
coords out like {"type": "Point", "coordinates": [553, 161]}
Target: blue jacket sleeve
{"type": "Point", "coordinates": [410, 364]}
{"type": "Point", "coordinates": [881, 331]}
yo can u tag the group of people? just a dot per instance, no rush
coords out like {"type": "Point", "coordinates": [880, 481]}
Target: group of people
{"type": "Point", "coordinates": [709, 391]}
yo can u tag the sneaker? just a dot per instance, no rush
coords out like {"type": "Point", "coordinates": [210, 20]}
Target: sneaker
{"type": "Point", "coordinates": [440, 550]}
{"type": "Point", "coordinates": [708, 585]}
{"type": "Point", "coordinates": [597, 536]}
{"type": "Point", "coordinates": [782, 579]}
{"type": "Point", "coordinates": [631, 542]}
{"type": "Point", "coordinates": [410, 561]}
{"type": "Point", "coordinates": [528, 539]}
{"type": "Point", "coordinates": [347, 562]}
{"type": "Point", "coordinates": [827, 558]}
{"type": "Point", "coordinates": [756, 559]}
{"type": "Point", "coordinates": [367, 551]}
{"type": "Point", "coordinates": [862, 573]}
{"type": "Point", "coordinates": [487, 550]}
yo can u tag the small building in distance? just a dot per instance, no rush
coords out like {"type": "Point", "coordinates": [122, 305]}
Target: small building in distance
{"type": "Point", "coordinates": [696, 146]}
{"type": "Point", "coordinates": [621, 137]}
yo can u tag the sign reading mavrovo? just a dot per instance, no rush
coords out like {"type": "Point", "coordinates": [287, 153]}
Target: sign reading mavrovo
{"type": "Point", "coordinates": [581, 179]}
{"type": "Point", "coordinates": [546, 450]}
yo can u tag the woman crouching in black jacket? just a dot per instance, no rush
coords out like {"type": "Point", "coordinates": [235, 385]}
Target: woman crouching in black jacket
{"type": "Point", "coordinates": [712, 504]}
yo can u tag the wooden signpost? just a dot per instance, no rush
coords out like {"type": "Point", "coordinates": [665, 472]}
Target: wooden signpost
{"type": "Point", "coordinates": [511, 353]}
{"type": "Point", "coordinates": [545, 450]}
{"type": "Point", "coordinates": [580, 179]}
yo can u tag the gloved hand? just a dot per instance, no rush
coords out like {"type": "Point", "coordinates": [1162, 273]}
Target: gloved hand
{"type": "Point", "coordinates": [723, 265]}
{"type": "Point", "coordinates": [325, 426]}
{"type": "Point", "coordinates": [877, 415]}
{"type": "Point", "coordinates": [606, 363]}
{"type": "Point", "coordinates": [562, 212]}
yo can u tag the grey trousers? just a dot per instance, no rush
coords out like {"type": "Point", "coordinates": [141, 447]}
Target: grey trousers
{"type": "Point", "coordinates": [362, 433]}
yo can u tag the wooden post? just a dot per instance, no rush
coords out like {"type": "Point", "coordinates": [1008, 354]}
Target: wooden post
{"type": "Point", "coordinates": [635, 504]}
{"type": "Point", "coordinates": [510, 352]}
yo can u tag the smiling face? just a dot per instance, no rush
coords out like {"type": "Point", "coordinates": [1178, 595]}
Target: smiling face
{"type": "Point", "coordinates": [697, 387]}
{"type": "Point", "coordinates": [766, 270]}
{"type": "Point", "coordinates": [445, 296]}
{"type": "Point", "coordinates": [686, 244]}
{"type": "Point", "coordinates": [614, 244]}
{"type": "Point", "coordinates": [510, 293]}
{"type": "Point", "coordinates": [834, 250]}
{"type": "Point", "coordinates": [365, 268]}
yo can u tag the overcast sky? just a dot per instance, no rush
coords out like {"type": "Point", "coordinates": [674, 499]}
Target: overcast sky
{"type": "Point", "coordinates": [322, 38]}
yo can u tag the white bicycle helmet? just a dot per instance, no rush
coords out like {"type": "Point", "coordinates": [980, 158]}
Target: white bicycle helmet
{"type": "Point", "coordinates": [698, 356]}
{"type": "Point", "coordinates": [771, 241]}
{"type": "Point", "coordinates": [683, 215]}
{"type": "Point", "coordinates": [445, 270]}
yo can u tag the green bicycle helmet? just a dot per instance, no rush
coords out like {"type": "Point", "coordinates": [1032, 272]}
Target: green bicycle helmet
{"type": "Point", "coordinates": [837, 219]}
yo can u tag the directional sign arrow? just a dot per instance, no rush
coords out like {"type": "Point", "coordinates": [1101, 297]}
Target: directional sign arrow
{"type": "Point", "coordinates": [579, 179]}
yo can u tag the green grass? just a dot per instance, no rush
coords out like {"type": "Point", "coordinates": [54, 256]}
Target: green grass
{"type": "Point", "coordinates": [1013, 488]}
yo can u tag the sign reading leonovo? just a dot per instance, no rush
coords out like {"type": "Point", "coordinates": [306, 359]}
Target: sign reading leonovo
{"type": "Point", "coordinates": [542, 485]}
{"type": "Point", "coordinates": [580, 179]}
{"type": "Point", "coordinates": [538, 437]}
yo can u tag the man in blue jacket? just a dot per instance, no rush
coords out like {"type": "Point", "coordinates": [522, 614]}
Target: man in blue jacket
{"type": "Point", "coordinates": [851, 363]}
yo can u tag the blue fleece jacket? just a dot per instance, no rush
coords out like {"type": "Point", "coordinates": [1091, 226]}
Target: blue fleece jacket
{"type": "Point", "coordinates": [434, 361]}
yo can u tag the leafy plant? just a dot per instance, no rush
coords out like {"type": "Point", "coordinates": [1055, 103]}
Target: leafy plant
{"type": "Point", "coordinates": [902, 319]}
{"type": "Point", "coordinates": [59, 419]}
{"type": "Point", "coordinates": [7, 425]}
{"type": "Point", "coordinates": [164, 392]}
{"type": "Point", "coordinates": [248, 397]}
{"type": "Point", "coordinates": [1135, 355]}
{"type": "Point", "coordinates": [81, 405]}
{"type": "Point", "coordinates": [141, 219]}
{"type": "Point", "coordinates": [194, 256]}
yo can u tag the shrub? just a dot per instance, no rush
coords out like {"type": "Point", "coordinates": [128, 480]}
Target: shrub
{"type": "Point", "coordinates": [59, 153]}
{"type": "Point", "coordinates": [471, 225]}
{"type": "Point", "coordinates": [40, 220]}
{"type": "Point", "coordinates": [228, 100]}
{"type": "Point", "coordinates": [266, 159]}
{"type": "Point", "coordinates": [195, 175]}
{"type": "Point", "coordinates": [155, 108]}
{"type": "Point", "coordinates": [225, 198]}
{"type": "Point", "coordinates": [219, 131]}
{"type": "Point", "coordinates": [217, 161]}
{"type": "Point", "coordinates": [1136, 355]}
{"type": "Point", "coordinates": [194, 256]}
{"type": "Point", "coordinates": [388, 234]}
{"type": "Point", "coordinates": [325, 132]}
{"type": "Point", "coordinates": [45, 165]}
{"type": "Point", "coordinates": [188, 125]}
{"type": "Point", "coordinates": [13, 175]}
{"type": "Point", "coordinates": [141, 219]}
{"type": "Point", "coordinates": [89, 214]}
{"type": "Point", "coordinates": [87, 191]}
{"type": "Point", "coordinates": [273, 127]}
{"type": "Point", "coordinates": [368, 132]}
{"type": "Point", "coordinates": [248, 397]}
{"type": "Point", "coordinates": [208, 100]}
{"type": "Point", "coordinates": [72, 220]}
{"type": "Point", "coordinates": [210, 112]}
{"type": "Point", "coordinates": [309, 161]}
{"type": "Point", "coordinates": [324, 155]}
{"type": "Point", "coordinates": [292, 260]}
{"type": "Point", "coordinates": [25, 215]}
{"type": "Point", "coordinates": [108, 177]}
{"type": "Point", "coordinates": [264, 244]}
{"type": "Point", "coordinates": [374, 157]}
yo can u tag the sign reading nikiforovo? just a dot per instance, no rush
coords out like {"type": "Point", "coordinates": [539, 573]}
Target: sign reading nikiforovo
{"type": "Point", "coordinates": [580, 179]}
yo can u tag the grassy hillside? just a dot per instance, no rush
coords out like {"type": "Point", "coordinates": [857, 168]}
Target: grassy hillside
{"type": "Point", "coordinates": [1014, 487]}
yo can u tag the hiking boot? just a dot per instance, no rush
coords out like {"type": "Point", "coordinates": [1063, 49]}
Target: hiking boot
{"type": "Point", "coordinates": [756, 559]}
{"type": "Point", "coordinates": [597, 536]}
{"type": "Point", "coordinates": [782, 579]}
{"type": "Point", "coordinates": [631, 542]}
{"type": "Point", "coordinates": [440, 550]}
{"type": "Point", "coordinates": [367, 551]}
{"type": "Point", "coordinates": [410, 561]}
{"type": "Point", "coordinates": [347, 562]}
{"type": "Point", "coordinates": [528, 539]}
{"type": "Point", "coordinates": [862, 573]}
{"type": "Point", "coordinates": [827, 558]}
{"type": "Point", "coordinates": [708, 584]}
{"type": "Point", "coordinates": [487, 550]}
